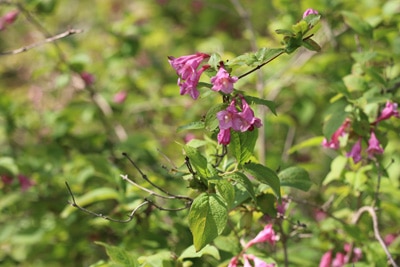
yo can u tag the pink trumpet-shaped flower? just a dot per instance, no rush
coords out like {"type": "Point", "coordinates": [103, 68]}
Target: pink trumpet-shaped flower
{"type": "Point", "coordinates": [223, 82]}
{"type": "Point", "coordinates": [334, 142]}
{"type": "Point", "coordinates": [374, 147]}
{"type": "Point", "coordinates": [389, 111]}
{"type": "Point", "coordinates": [266, 235]}
{"type": "Point", "coordinates": [355, 152]}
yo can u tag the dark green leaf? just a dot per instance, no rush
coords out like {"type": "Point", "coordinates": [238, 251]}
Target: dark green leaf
{"type": "Point", "coordinates": [207, 219]}
{"type": "Point", "coordinates": [211, 120]}
{"type": "Point", "coordinates": [198, 161]}
{"type": "Point", "coordinates": [226, 190]}
{"type": "Point", "coordinates": [295, 177]}
{"type": "Point", "coordinates": [333, 123]}
{"type": "Point", "coordinates": [264, 175]}
{"type": "Point", "coordinates": [310, 44]}
{"type": "Point", "coordinates": [242, 145]}
{"type": "Point", "coordinates": [244, 181]}
{"type": "Point", "coordinates": [259, 101]}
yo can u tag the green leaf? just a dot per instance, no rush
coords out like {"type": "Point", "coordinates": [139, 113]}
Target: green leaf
{"type": "Point", "coordinates": [197, 160]}
{"type": "Point", "coordinates": [333, 123]}
{"type": "Point", "coordinates": [214, 60]}
{"type": "Point", "coordinates": [244, 181]}
{"type": "Point", "coordinates": [310, 44]}
{"type": "Point", "coordinates": [337, 167]}
{"type": "Point", "coordinates": [207, 219]}
{"type": "Point", "coordinates": [226, 190]}
{"type": "Point", "coordinates": [264, 175]}
{"type": "Point", "coordinates": [211, 120]}
{"type": "Point", "coordinates": [295, 177]}
{"type": "Point", "coordinates": [357, 23]}
{"type": "Point", "coordinates": [98, 194]}
{"type": "Point", "coordinates": [191, 252]}
{"type": "Point", "coordinates": [259, 101]}
{"type": "Point", "coordinates": [191, 126]}
{"type": "Point", "coordinates": [253, 59]}
{"type": "Point", "coordinates": [242, 145]}
{"type": "Point", "coordinates": [314, 141]}
{"type": "Point", "coordinates": [118, 255]}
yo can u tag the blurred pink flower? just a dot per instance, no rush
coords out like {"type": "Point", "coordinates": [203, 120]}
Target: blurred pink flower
{"type": "Point", "coordinates": [355, 152]}
{"type": "Point", "coordinates": [25, 182]}
{"type": "Point", "coordinates": [189, 137]}
{"type": "Point", "coordinates": [6, 179]}
{"type": "Point", "coordinates": [88, 78]}
{"type": "Point", "coordinates": [334, 142]}
{"type": "Point", "coordinates": [223, 82]}
{"type": "Point", "coordinates": [257, 261]}
{"type": "Point", "coordinates": [389, 111]}
{"type": "Point", "coordinates": [309, 11]}
{"type": "Point", "coordinates": [120, 97]}
{"type": "Point", "coordinates": [390, 238]}
{"type": "Point", "coordinates": [326, 259]}
{"type": "Point", "coordinates": [266, 235]}
{"type": "Point", "coordinates": [233, 262]}
{"type": "Point", "coordinates": [374, 146]}
{"type": "Point", "coordinates": [11, 16]}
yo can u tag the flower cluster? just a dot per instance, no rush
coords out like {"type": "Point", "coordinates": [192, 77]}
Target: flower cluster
{"type": "Point", "coordinates": [266, 235]}
{"type": "Point", "coordinates": [341, 259]}
{"type": "Point", "coordinates": [374, 146]}
{"type": "Point", "coordinates": [24, 182]}
{"type": "Point", "coordinates": [8, 19]}
{"type": "Point", "coordinates": [238, 116]}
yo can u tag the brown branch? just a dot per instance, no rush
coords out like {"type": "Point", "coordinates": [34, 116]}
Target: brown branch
{"type": "Point", "coordinates": [45, 41]}
{"type": "Point", "coordinates": [372, 212]}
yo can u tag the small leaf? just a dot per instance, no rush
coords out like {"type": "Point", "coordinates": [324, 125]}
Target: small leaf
{"type": "Point", "coordinates": [190, 252]}
{"type": "Point", "coordinates": [310, 44]}
{"type": "Point", "coordinates": [357, 23]}
{"type": "Point", "coordinates": [211, 120]}
{"type": "Point", "coordinates": [197, 160]}
{"type": "Point", "coordinates": [207, 219]}
{"type": "Point", "coordinates": [242, 145]}
{"type": "Point", "coordinates": [314, 141]}
{"type": "Point", "coordinates": [264, 175]}
{"type": "Point", "coordinates": [244, 181]}
{"type": "Point", "coordinates": [118, 255]}
{"type": "Point", "coordinates": [295, 177]}
{"type": "Point", "coordinates": [214, 60]}
{"type": "Point", "coordinates": [259, 101]}
{"type": "Point", "coordinates": [8, 166]}
{"type": "Point", "coordinates": [191, 126]}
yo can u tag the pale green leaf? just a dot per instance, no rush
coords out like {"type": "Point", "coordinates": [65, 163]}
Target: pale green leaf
{"type": "Point", "coordinates": [190, 252]}
{"type": "Point", "coordinates": [264, 175]}
{"type": "Point", "coordinates": [119, 255]}
{"type": "Point", "coordinates": [295, 177]}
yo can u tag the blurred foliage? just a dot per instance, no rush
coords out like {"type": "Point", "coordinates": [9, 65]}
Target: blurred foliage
{"type": "Point", "coordinates": [54, 129]}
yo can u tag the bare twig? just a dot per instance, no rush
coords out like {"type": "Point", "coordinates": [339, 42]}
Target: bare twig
{"type": "Point", "coordinates": [45, 41]}
{"type": "Point", "coordinates": [372, 213]}
{"type": "Point", "coordinates": [130, 216]}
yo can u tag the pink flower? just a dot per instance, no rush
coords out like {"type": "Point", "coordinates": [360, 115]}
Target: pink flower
{"type": "Point", "coordinates": [222, 81]}
{"type": "Point", "coordinates": [189, 86]}
{"type": "Point", "coordinates": [334, 142]}
{"type": "Point", "coordinates": [233, 262]}
{"type": "Point", "coordinates": [339, 260]}
{"type": "Point", "coordinates": [224, 136]}
{"type": "Point", "coordinates": [389, 111]}
{"type": "Point", "coordinates": [120, 97]}
{"type": "Point", "coordinates": [11, 16]}
{"type": "Point", "coordinates": [374, 146]}
{"type": "Point", "coordinates": [6, 179]}
{"type": "Point", "coordinates": [257, 261]}
{"type": "Point", "coordinates": [187, 69]}
{"type": "Point", "coordinates": [355, 152]}
{"type": "Point", "coordinates": [309, 11]}
{"type": "Point", "coordinates": [25, 182]}
{"type": "Point", "coordinates": [87, 78]}
{"type": "Point", "coordinates": [266, 235]}
{"type": "Point", "coordinates": [239, 121]}
{"type": "Point", "coordinates": [326, 259]}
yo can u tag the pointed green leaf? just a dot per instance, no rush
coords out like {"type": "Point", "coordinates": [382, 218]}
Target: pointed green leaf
{"type": "Point", "coordinates": [211, 120]}
{"type": "Point", "coordinates": [264, 175]}
{"type": "Point", "coordinates": [242, 145]}
{"type": "Point", "coordinates": [226, 191]}
{"type": "Point", "coordinates": [199, 162]}
{"type": "Point", "coordinates": [333, 123]}
{"type": "Point", "coordinates": [310, 44]}
{"type": "Point", "coordinates": [244, 181]}
{"type": "Point", "coordinates": [259, 101]}
{"type": "Point", "coordinates": [190, 252]}
{"type": "Point", "coordinates": [118, 255]}
{"type": "Point", "coordinates": [98, 194]}
{"type": "Point", "coordinates": [314, 141]}
{"type": "Point", "coordinates": [207, 219]}
{"type": "Point", "coordinates": [295, 177]}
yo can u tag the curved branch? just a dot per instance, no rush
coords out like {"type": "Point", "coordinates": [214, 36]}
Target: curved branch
{"type": "Point", "coordinates": [372, 213]}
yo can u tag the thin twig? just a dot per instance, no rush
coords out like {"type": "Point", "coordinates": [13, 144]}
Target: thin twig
{"type": "Point", "coordinates": [47, 40]}
{"type": "Point", "coordinates": [372, 212]}
{"type": "Point", "coordinates": [130, 216]}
